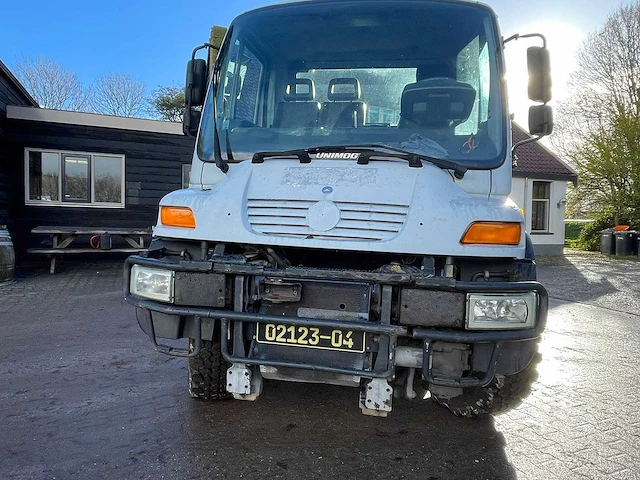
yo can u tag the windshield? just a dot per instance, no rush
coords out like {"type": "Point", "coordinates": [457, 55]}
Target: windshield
{"type": "Point", "coordinates": [417, 75]}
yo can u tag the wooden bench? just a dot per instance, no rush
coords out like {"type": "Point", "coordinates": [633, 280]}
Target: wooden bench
{"type": "Point", "coordinates": [63, 237]}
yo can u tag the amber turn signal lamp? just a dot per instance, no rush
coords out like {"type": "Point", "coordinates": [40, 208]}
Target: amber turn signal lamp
{"type": "Point", "coordinates": [492, 233]}
{"type": "Point", "coordinates": [177, 217]}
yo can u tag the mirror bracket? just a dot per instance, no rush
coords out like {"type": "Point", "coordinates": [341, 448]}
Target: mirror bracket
{"type": "Point", "coordinates": [514, 158]}
{"type": "Point", "coordinates": [195, 80]}
{"type": "Point", "coordinates": [526, 35]}
{"type": "Point", "coordinates": [542, 118]}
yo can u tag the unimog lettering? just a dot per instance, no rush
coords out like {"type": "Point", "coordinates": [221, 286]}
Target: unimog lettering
{"type": "Point", "coordinates": [340, 156]}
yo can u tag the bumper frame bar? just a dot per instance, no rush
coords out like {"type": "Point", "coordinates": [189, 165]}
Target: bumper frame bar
{"type": "Point", "coordinates": [427, 335]}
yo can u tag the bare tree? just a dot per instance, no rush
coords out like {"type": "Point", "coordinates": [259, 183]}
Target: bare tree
{"type": "Point", "coordinates": [599, 124]}
{"type": "Point", "coordinates": [51, 85]}
{"type": "Point", "coordinates": [119, 94]}
{"type": "Point", "coordinates": [606, 84]}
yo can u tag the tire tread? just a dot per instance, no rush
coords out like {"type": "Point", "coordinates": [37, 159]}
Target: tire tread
{"type": "Point", "coordinates": [208, 373]}
{"type": "Point", "coordinates": [504, 393]}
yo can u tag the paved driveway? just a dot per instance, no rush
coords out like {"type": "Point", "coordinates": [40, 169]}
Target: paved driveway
{"type": "Point", "coordinates": [83, 395]}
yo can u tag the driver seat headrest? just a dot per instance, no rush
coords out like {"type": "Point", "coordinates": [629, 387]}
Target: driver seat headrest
{"type": "Point", "coordinates": [437, 102]}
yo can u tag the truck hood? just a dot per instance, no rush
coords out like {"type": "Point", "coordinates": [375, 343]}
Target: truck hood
{"type": "Point", "coordinates": [337, 204]}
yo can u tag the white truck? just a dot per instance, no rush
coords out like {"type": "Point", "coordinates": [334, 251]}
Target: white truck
{"type": "Point", "coordinates": [347, 220]}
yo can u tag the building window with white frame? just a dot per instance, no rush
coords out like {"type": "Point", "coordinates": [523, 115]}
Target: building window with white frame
{"type": "Point", "coordinates": [74, 178]}
{"type": "Point", "coordinates": [541, 193]}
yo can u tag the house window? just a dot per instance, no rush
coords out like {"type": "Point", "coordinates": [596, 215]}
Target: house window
{"type": "Point", "coordinates": [44, 176]}
{"type": "Point", "coordinates": [74, 178]}
{"type": "Point", "coordinates": [540, 206]}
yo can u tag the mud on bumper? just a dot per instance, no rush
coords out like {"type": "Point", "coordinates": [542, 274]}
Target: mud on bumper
{"type": "Point", "coordinates": [173, 321]}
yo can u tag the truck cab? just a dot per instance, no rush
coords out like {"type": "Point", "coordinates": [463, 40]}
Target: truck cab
{"type": "Point", "coordinates": [347, 220]}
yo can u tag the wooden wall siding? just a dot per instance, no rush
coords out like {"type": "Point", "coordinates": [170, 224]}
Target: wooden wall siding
{"type": "Point", "coordinates": [9, 95]}
{"type": "Point", "coordinates": [4, 194]}
{"type": "Point", "coordinates": [153, 168]}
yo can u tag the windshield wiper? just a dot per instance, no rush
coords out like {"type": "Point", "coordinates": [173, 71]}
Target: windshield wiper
{"type": "Point", "coordinates": [366, 151]}
{"type": "Point", "coordinates": [302, 155]}
{"type": "Point", "coordinates": [458, 169]}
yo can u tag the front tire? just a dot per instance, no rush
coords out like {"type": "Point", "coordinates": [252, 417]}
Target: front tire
{"type": "Point", "coordinates": [208, 373]}
{"type": "Point", "coordinates": [505, 392]}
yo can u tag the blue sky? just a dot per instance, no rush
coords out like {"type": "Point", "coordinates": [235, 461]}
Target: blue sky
{"type": "Point", "coordinates": [152, 40]}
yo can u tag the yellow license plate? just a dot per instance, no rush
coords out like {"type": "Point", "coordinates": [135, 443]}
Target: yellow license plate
{"type": "Point", "coordinates": [323, 338]}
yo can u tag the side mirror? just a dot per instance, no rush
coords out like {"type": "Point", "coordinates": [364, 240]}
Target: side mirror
{"type": "Point", "coordinates": [190, 122]}
{"type": "Point", "coordinates": [195, 88]}
{"type": "Point", "coordinates": [540, 120]}
{"type": "Point", "coordinates": [539, 67]}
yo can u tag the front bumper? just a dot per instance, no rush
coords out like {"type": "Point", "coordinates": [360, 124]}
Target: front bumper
{"type": "Point", "coordinates": [388, 333]}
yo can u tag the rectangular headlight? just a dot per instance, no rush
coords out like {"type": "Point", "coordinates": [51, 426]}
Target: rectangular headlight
{"type": "Point", "coordinates": [152, 283]}
{"type": "Point", "coordinates": [501, 311]}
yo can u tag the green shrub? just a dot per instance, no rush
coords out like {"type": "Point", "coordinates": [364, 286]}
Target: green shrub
{"type": "Point", "coordinates": [572, 230]}
{"type": "Point", "coordinates": [573, 244]}
{"type": "Point", "coordinates": [589, 236]}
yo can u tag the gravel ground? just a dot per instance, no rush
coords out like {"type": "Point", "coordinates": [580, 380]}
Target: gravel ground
{"type": "Point", "coordinates": [609, 282]}
{"type": "Point", "coordinates": [83, 395]}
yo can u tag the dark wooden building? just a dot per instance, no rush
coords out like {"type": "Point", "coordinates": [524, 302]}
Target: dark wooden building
{"type": "Point", "coordinates": [11, 93]}
{"type": "Point", "coordinates": [82, 169]}
{"type": "Point", "coordinates": [91, 170]}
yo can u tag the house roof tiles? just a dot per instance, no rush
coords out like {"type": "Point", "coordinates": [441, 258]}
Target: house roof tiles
{"type": "Point", "coordinates": [535, 160]}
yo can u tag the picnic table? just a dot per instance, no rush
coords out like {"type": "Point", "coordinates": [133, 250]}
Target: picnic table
{"type": "Point", "coordinates": [100, 240]}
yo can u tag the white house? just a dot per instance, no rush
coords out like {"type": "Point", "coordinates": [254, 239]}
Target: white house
{"type": "Point", "coordinates": [539, 188]}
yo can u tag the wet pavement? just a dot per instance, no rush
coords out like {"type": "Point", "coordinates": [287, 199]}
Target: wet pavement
{"type": "Point", "coordinates": [83, 395]}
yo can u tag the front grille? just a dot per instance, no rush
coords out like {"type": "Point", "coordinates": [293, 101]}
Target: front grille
{"type": "Point", "coordinates": [358, 221]}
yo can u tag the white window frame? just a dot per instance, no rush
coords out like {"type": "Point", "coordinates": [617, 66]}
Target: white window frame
{"type": "Point", "coordinates": [543, 200]}
{"type": "Point", "coordinates": [61, 203]}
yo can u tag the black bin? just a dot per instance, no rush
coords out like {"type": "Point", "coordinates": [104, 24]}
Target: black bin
{"type": "Point", "coordinates": [626, 242]}
{"type": "Point", "coordinates": [607, 242]}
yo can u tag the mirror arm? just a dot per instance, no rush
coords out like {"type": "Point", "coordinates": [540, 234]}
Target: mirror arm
{"type": "Point", "coordinates": [193, 57]}
{"type": "Point", "coordinates": [217, 154]}
{"type": "Point", "coordinates": [527, 35]}
{"type": "Point", "coordinates": [536, 138]}
{"type": "Point", "coordinates": [200, 47]}
{"type": "Point", "coordinates": [526, 141]}
{"type": "Point", "coordinates": [521, 143]}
